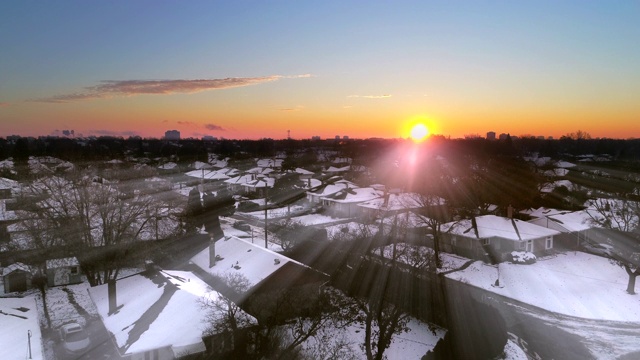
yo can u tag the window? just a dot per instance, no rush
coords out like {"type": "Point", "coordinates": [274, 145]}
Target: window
{"type": "Point", "coordinates": [453, 241]}
{"type": "Point", "coordinates": [529, 246]}
{"type": "Point", "coordinates": [548, 243]}
{"type": "Point", "coordinates": [74, 270]}
{"type": "Point", "coordinates": [485, 242]}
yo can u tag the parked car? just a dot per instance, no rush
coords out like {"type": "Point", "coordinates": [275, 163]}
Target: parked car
{"type": "Point", "coordinates": [74, 338]}
{"type": "Point", "coordinates": [598, 249]}
{"type": "Point", "coordinates": [242, 225]}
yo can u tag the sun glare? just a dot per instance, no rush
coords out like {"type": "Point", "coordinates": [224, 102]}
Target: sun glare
{"type": "Point", "coordinates": [419, 132]}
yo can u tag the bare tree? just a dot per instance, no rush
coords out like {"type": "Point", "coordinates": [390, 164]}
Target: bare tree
{"type": "Point", "coordinates": [624, 216]}
{"type": "Point", "coordinates": [96, 221]}
{"type": "Point", "coordinates": [382, 320]}
{"type": "Point", "coordinates": [225, 315]}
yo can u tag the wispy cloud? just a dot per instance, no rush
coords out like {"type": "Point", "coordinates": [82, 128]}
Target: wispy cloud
{"type": "Point", "coordinates": [297, 108]}
{"type": "Point", "coordinates": [4, 104]}
{"type": "Point", "coordinates": [186, 123]}
{"type": "Point", "coordinates": [370, 96]}
{"type": "Point", "coordinates": [116, 88]}
{"type": "Point", "coordinates": [214, 127]}
{"type": "Point", "coordinates": [103, 132]}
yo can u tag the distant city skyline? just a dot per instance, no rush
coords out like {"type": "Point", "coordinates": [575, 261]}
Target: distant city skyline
{"type": "Point", "coordinates": [253, 70]}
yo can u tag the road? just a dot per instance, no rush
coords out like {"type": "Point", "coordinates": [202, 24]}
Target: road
{"type": "Point", "coordinates": [548, 335]}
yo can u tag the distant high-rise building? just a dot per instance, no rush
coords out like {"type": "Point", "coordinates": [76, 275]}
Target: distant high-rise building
{"type": "Point", "coordinates": [209, 138]}
{"type": "Point", "coordinates": [346, 137]}
{"type": "Point", "coordinates": [172, 135]}
{"type": "Point", "coordinates": [337, 137]}
{"type": "Point", "coordinates": [504, 136]}
{"type": "Point", "coordinates": [491, 135]}
{"type": "Point", "coordinates": [315, 138]}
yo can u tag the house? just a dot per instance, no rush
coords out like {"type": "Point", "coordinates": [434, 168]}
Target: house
{"type": "Point", "coordinates": [492, 238]}
{"type": "Point", "coordinates": [260, 185]}
{"type": "Point", "coordinates": [345, 202]}
{"type": "Point", "coordinates": [64, 271]}
{"type": "Point", "coordinates": [267, 274]}
{"type": "Point", "coordinates": [315, 196]}
{"type": "Point", "coordinates": [20, 336]}
{"type": "Point", "coordinates": [235, 184]}
{"type": "Point", "coordinates": [398, 202]}
{"type": "Point", "coordinates": [159, 314]}
{"type": "Point", "coordinates": [575, 227]}
{"type": "Point", "coordinates": [15, 277]}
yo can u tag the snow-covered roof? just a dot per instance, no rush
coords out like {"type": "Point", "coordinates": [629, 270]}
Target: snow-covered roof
{"type": "Point", "coordinates": [64, 262]}
{"type": "Point", "coordinates": [221, 174]}
{"type": "Point", "coordinates": [7, 183]}
{"type": "Point", "coordinates": [547, 188]}
{"type": "Point", "coordinates": [156, 309]}
{"type": "Point", "coordinates": [302, 171]}
{"type": "Point", "coordinates": [402, 201]}
{"type": "Point", "coordinates": [569, 221]}
{"type": "Point", "coordinates": [269, 163]}
{"type": "Point", "coordinates": [495, 226]}
{"type": "Point", "coordinates": [198, 165]}
{"type": "Point", "coordinates": [565, 164]}
{"type": "Point", "coordinates": [14, 267]}
{"type": "Point", "coordinates": [330, 189]}
{"type": "Point", "coordinates": [241, 179]}
{"type": "Point", "coordinates": [356, 195]}
{"type": "Point", "coordinates": [541, 211]}
{"type": "Point", "coordinates": [168, 166]}
{"type": "Point", "coordinates": [239, 256]}
{"type": "Point", "coordinates": [260, 170]}
{"type": "Point", "coordinates": [558, 172]}
{"type": "Point", "coordinates": [19, 316]}
{"type": "Point", "coordinates": [333, 169]}
{"type": "Point", "coordinates": [260, 182]}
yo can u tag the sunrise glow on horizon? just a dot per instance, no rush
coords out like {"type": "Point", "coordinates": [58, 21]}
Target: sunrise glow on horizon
{"type": "Point", "coordinates": [255, 70]}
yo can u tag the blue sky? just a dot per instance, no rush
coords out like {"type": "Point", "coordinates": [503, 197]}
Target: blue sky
{"type": "Point", "coordinates": [463, 67]}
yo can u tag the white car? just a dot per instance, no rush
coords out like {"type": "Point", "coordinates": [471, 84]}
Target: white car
{"type": "Point", "coordinates": [74, 338]}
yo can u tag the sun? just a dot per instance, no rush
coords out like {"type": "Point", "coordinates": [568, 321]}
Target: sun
{"type": "Point", "coordinates": [419, 132]}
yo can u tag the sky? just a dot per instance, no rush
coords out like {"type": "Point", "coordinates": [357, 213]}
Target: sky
{"type": "Point", "coordinates": [254, 69]}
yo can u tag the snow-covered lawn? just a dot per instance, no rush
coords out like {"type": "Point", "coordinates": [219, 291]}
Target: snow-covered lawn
{"type": "Point", "coordinates": [412, 344]}
{"type": "Point", "coordinates": [276, 213]}
{"type": "Point", "coordinates": [574, 283]}
{"type": "Point", "coordinates": [314, 219]}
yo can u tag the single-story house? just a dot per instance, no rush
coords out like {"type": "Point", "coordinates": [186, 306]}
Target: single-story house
{"type": "Point", "coordinates": [266, 272]}
{"type": "Point", "coordinates": [492, 238]}
{"type": "Point", "coordinates": [345, 202]}
{"type": "Point", "coordinates": [159, 314]}
{"type": "Point", "coordinates": [315, 196]}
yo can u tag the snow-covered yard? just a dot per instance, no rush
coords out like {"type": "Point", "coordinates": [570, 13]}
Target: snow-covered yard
{"type": "Point", "coordinates": [574, 283]}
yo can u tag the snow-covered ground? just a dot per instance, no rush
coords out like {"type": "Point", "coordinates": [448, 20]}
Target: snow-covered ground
{"type": "Point", "coordinates": [574, 283]}
{"type": "Point", "coordinates": [314, 219]}
{"type": "Point", "coordinates": [19, 328]}
{"type": "Point", "coordinates": [275, 213]}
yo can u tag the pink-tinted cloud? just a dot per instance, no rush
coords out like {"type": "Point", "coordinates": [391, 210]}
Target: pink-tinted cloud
{"type": "Point", "coordinates": [114, 88]}
{"type": "Point", "coordinates": [4, 104]}
{"type": "Point", "coordinates": [186, 123]}
{"type": "Point", "coordinates": [214, 127]}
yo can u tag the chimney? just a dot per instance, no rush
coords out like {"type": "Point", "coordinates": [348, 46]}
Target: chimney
{"type": "Point", "coordinates": [111, 290]}
{"type": "Point", "coordinates": [212, 252]}
{"type": "Point", "coordinates": [510, 211]}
